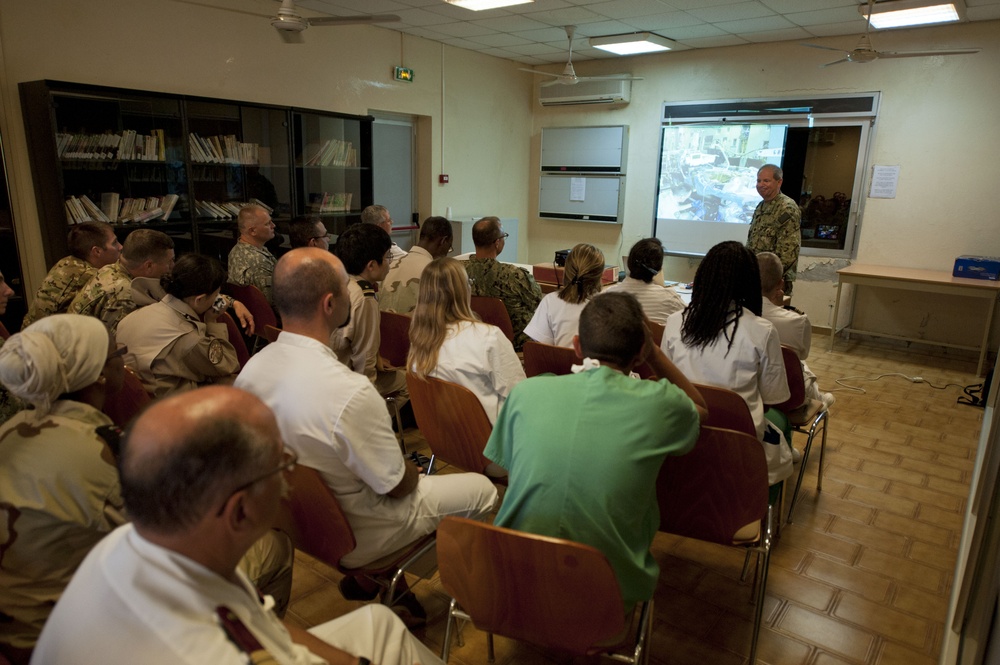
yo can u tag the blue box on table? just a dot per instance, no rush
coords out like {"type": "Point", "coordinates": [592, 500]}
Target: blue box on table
{"type": "Point", "coordinates": [977, 267]}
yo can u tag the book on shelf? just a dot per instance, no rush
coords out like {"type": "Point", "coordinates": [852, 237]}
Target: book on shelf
{"type": "Point", "coordinates": [263, 205]}
{"type": "Point", "coordinates": [109, 205]}
{"type": "Point", "coordinates": [222, 149]}
{"type": "Point", "coordinates": [167, 203]}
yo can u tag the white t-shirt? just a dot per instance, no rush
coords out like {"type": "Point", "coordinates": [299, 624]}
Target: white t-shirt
{"type": "Point", "coordinates": [479, 357]}
{"type": "Point", "coordinates": [657, 301]}
{"type": "Point", "coordinates": [794, 329]}
{"type": "Point", "coordinates": [555, 321]}
{"type": "Point", "coordinates": [752, 367]}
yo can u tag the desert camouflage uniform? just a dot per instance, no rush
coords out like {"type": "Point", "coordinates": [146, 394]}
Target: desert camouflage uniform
{"type": "Point", "coordinates": [357, 343]}
{"type": "Point", "coordinates": [776, 227]}
{"type": "Point", "coordinates": [402, 285]}
{"type": "Point", "coordinates": [249, 265]}
{"type": "Point", "coordinates": [59, 288]}
{"type": "Point", "coordinates": [108, 296]}
{"type": "Point", "coordinates": [513, 285]}
{"type": "Point", "coordinates": [59, 495]}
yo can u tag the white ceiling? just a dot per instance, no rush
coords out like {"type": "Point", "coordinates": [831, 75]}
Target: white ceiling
{"type": "Point", "coordinates": [533, 33]}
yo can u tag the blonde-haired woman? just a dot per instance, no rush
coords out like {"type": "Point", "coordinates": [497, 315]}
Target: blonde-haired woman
{"type": "Point", "coordinates": [557, 319]}
{"type": "Point", "coordinates": [448, 341]}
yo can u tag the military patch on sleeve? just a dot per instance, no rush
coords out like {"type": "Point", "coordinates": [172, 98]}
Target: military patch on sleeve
{"type": "Point", "coordinates": [216, 352]}
{"type": "Point", "coordinates": [367, 288]}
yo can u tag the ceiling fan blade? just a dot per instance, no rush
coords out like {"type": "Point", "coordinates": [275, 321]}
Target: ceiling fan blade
{"type": "Point", "coordinates": [611, 77]}
{"type": "Point", "coordinates": [918, 54]}
{"type": "Point", "coordinates": [535, 71]}
{"type": "Point", "coordinates": [825, 48]}
{"type": "Point", "coordinates": [835, 62]}
{"type": "Point", "coordinates": [562, 80]}
{"type": "Point", "coordinates": [224, 9]}
{"type": "Point", "coordinates": [366, 19]}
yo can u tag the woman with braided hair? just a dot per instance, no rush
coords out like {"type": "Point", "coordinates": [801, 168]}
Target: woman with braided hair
{"type": "Point", "coordinates": [721, 340]}
{"type": "Point", "coordinates": [557, 318]}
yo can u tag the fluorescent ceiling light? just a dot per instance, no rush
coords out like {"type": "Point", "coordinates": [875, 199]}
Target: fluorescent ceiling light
{"type": "Point", "coordinates": [479, 5]}
{"type": "Point", "coordinates": [636, 42]}
{"type": "Point", "coordinates": [905, 13]}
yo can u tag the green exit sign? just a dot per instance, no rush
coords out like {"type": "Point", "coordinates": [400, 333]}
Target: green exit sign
{"type": "Point", "coordinates": [402, 73]}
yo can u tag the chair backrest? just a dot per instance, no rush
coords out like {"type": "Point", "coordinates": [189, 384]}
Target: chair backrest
{"type": "Point", "coordinates": [236, 339]}
{"type": "Point", "coordinates": [545, 358]}
{"type": "Point", "coordinates": [254, 300]}
{"type": "Point", "coordinates": [129, 401]}
{"type": "Point", "coordinates": [796, 381]}
{"type": "Point", "coordinates": [494, 312]}
{"type": "Point", "coordinates": [394, 330]}
{"type": "Point", "coordinates": [657, 330]}
{"type": "Point", "coordinates": [270, 333]}
{"type": "Point", "coordinates": [727, 410]}
{"type": "Point", "coordinates": [4, 333]}
{"type": "Point", "coordinates": [717, 489]}
{"type": "Point", "coordinates": [453, 421]}
{"type": "Point", "coordinates": [547, 591]}
{"type": "Point", "coordinates": [313, 519]}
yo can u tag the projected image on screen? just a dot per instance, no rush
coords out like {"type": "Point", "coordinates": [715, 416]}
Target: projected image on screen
{"type": "Point", "coordinates": [708, 173]}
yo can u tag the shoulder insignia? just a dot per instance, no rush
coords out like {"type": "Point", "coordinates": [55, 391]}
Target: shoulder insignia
{"type": "Point", "coordinates": [367, 288]}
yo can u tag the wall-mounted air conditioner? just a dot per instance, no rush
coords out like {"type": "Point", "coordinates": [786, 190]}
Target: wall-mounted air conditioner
{"type": "Point", "coordinates": [610, 91]}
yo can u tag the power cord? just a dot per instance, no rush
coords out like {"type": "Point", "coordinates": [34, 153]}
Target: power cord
{"type": "Point", "coordinates": [911, 379]}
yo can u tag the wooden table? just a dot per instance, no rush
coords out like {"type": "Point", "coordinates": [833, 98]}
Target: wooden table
{"type": "Point", "coordinates": [926, 281]}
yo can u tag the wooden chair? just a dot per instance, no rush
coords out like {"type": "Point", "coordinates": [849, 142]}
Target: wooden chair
{"type": "Point", "coordinates": [316, 524]}
{"type": "Point", "coordinates": [545, 358]}
{"type": "Point", "coordinates": [727, 410]}
{"type": "Point", "coordinates": [236, 339]}
{"type": "Point", "coordinates": [550, 592]}
{"type": "Point", "coordinates": [395, 337]}
{"type": "Point", "coordinates": [718, 493]}
{"type": "Point", "coordinates": [129, 401]}
{"type": "Point", "coordinates": [254, 300]}
{"type": "Point", "coordinates": [452, 420]}
{"type": "Point", "coordinates": [270, 333]}
{"type": "Point", "coordinates": [494, 312]}
{"type": "Point", "coordinates": [805, 416]}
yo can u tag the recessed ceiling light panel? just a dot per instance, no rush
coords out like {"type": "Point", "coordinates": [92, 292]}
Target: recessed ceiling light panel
{"type": "Point", "coordinates": [908, 13]}
{"type": "Point", "coordinates": [633, 43]}
{"type": "Point", "coordinates": [479, 5]}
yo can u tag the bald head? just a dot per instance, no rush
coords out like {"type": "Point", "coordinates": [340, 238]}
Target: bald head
{"type": "Point", "coordinates": [185, 454]}
{"type": "Point", "coordinates": [303, 278]}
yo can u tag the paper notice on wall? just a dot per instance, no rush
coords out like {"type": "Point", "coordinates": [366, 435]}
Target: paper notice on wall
{"type": "Point", "coordinates": [884, 182]}
{"type": "Point", "coordinates": [577, 189]}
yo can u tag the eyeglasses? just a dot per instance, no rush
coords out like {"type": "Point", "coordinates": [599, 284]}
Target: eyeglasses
{"type": "Point", "coordinates": [325, 235]}
{"type": "Point", "coordinates": [288, 461]}
{"type": "Point", "coordinates": [502, 236]}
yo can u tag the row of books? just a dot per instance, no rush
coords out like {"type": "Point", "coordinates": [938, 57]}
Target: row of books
{"type": "Point", "coordinates": [223, 149]}
{"type": "Point", "coordinates": [334, 152]}
{"type": "Point", "coordinates": [337, 202]}
{"type": "Point", "coordinates": [127, 145]}
{"type": "Point", "coordinates": [225, 209]}
{"type": "Point", "coordinates": [115, 210]}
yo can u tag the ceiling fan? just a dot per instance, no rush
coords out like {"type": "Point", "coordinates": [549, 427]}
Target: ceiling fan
{"type": "Point", "coordinates": [568, 76]}
{"type": "Point", "coordinates": [865, 52]}
{"type": "Point", "coordinates": [289, 22]}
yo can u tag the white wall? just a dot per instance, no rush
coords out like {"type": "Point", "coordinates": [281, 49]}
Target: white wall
{"type": "Point", "coordinates": [936, 122]}
{"type": "Point", "coordinates": [484, 113]}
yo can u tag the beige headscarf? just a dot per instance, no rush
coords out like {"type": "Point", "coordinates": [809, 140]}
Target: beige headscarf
{"type": "Point", "coordinates": [59, 354]}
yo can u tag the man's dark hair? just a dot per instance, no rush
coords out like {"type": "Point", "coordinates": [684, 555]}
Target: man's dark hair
{"type": "Point", "coordinates": [486, 231]}
{"type": "Point", "coordinates": [146, 245]}
{"type": "Point", "coordinates": [297, 292]}
{"type": "Point", "coordinates": [82, 237]}
{"type": "Point", "coordinates": [171, 489]}
{"type": "Point", "coordinates": [194, 275]}
{"type": "Point", "coordinates": [645, 259]}
{"type": "Point", "coordinates": [612, 328]}
{"type": "Point", "coordinates": [360, 244]}
{"type": "Point", "coordinates": [303, 229]}
{"type": "Point", "coordinates": [728, 274]}
{"type": "Point", "coordinates": [434, 228]}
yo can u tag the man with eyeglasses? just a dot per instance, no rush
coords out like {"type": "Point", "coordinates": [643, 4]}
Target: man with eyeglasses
{"type": "Point", "coordinates": [513, 285]}
{"type": "Point", "coordinates": [402, 284]}
{"type": "Point", "coordinates": [379, 216]}
{"type": "Point", "coordinates": [201, 479]}
{"type": "Point", "coordinates": [308, 232]}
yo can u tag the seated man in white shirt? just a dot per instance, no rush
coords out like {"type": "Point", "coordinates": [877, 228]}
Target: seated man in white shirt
{"type": "Point", "coordinates": [201, 478]}
{"type": "Point", "coordinates": [645, 260]}
{"type": "Point", "coordinates": [337, 423]}
{"type": "Point", "coordinates": [794, 329]}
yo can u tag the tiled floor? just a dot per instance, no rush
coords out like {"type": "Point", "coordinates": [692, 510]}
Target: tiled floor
{"type": "Point", "coordinates": [862, 576]}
